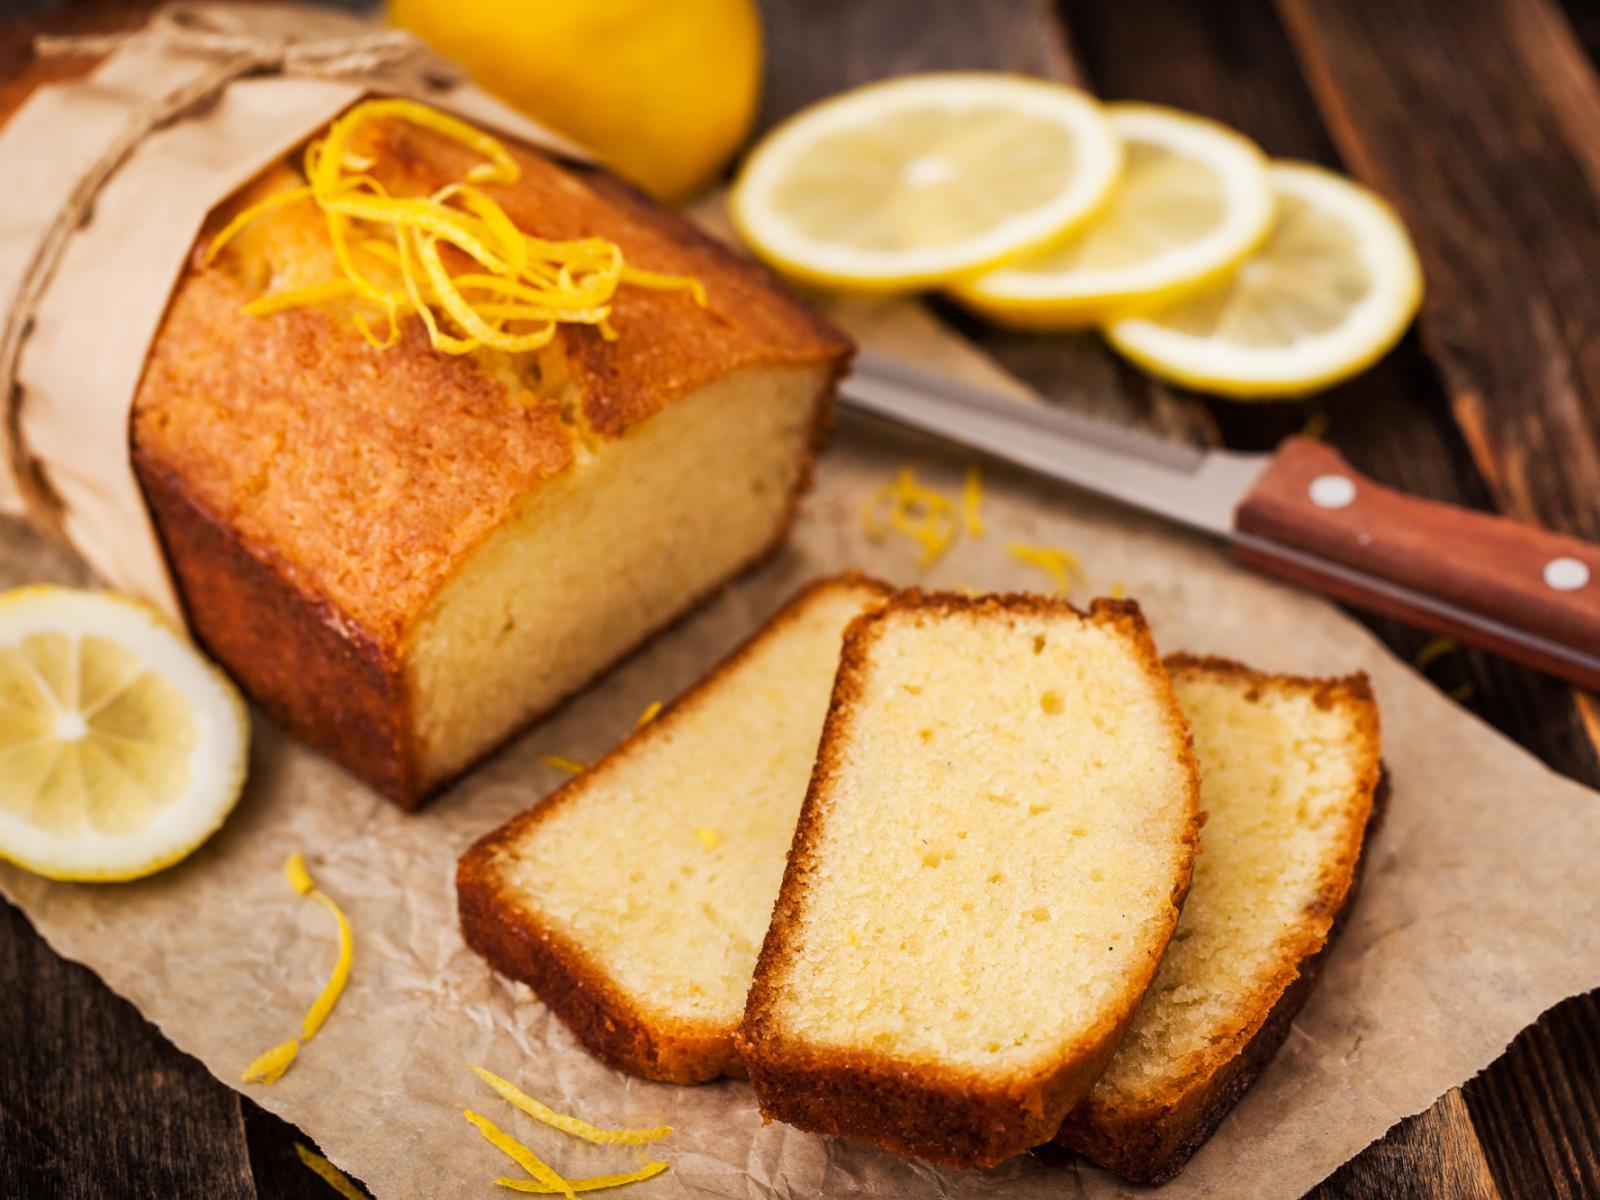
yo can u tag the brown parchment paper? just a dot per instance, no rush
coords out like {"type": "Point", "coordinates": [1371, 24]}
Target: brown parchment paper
{"type": "Point", "coordinates": [1478, 909]}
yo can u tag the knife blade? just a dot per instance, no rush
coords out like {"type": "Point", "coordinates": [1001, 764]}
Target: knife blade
{"type": "Point", "coordinates": [1302, 513]}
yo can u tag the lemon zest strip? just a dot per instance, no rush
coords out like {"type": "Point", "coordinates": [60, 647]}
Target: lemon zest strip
{"type": "Point", "coordinates": [520, 1154]}
{"type": "Point", "coordinates": [567, 1124]}
{"type": "Point", "coordinates": [1061, 565]}
{"type": "Point", "coordinates": [316, 293]}
{"type": "Point", "coordinates": [918, 512]}
{"type": "Point", "coordinates": [227, 233]}
{"type": "Point", "coordinates": [591, 1183]}
{"type": "Point", "coordinates": [334, 988]}
{"type": "Point", "coordinates": [650, 713]}
{"type": "Point", "coordinates": [972, 501]}
{"type": "Point", "coordinates": [1433, 651]}
{"type": "Point", "coordinates": [1119, 590]}
{"type": "Point", "coordinates": [269, 1067]}
{"type": "Point", "coordinates": [546, 283]}
{"type": "Point", "coordinates": [561, 763]}
{"type": "Point", "coordinates": [328, 1173]}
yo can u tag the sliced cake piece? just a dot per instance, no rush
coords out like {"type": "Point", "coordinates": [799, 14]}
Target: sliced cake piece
{"type": "Point", "coordinates": [635, 898]}
{"type": "Point", "coordinates": [996, 839]}
{"type": "Point", "coordinates": [1288, 770]}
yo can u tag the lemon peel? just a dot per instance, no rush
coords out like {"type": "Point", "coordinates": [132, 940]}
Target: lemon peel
{"type": "Point", "coordinates": [972, 501]}
{"type": "Point", "coordinates": [328, 1173]}
{"type": "Point", "coordinates": [1433, 651]}
{"type": "Point", "coordinates": [269, 1067]}
{"type": "Point", "coordinates": [518, 290]}
{"type": "Point", "coordinates": [1119, 590]}
{"type": "Point", "coordinates": [1316, 426]}
{"type": "Point", "coordinates": [1061, 565]}
{"type": "Point", "coordinates": [562, 763]}
{"type": "Point", "coordinates": [920, 513]}
{"type": "Point", "coordinates": [650, 713]}
{"type": "Point", "coordinates": [568, 1124]}
{"type": "Point", "coordinates": [591, 1183]}
{"type": "Point", "coordinates": [525, 1158]}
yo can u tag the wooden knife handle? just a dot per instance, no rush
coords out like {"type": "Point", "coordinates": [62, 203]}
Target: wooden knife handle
{"type": "Point", "coordinates": [1520, 591]}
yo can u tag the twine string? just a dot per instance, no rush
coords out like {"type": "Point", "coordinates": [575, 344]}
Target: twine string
{"type": "Point", "coordinates": [188, 29]}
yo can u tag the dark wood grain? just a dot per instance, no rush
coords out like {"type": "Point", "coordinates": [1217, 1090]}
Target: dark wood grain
{"type": "Point", "coordinates": [1481, 122]}
{"type": "Point", "coordinates": [1434, 1154]}
{"type": "Point", "coordinates": [94, 1102]}
{"type": "Point", "coordinates": [1537, 1110]}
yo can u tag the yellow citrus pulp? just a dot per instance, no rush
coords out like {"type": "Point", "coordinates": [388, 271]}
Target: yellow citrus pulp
{"type": "Point", "coordinates": [922, 178]}
{"type": "Point", "coordinates": [121, 748]}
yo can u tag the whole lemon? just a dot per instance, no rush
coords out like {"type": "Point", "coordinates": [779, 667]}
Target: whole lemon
{"type": "Point", "coordinates": [663, 90]}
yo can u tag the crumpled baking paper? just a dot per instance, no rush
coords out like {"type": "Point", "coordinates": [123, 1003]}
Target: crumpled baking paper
{"type": "Point", "coordinates": [1477, 912]}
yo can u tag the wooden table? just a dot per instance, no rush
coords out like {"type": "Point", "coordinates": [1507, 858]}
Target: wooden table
{"type": "Point", "coordinates": [1480, 120]}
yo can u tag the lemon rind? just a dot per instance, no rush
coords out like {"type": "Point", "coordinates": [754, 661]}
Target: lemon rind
{"type": "Point", "coordinates": [229, 722]}
{"type": "Point", "coordinates": [817, 263]}
{"type": "Point", "coordinates": [1005, 296]}
{"type": "Point", "coordinates": [1182, 360]}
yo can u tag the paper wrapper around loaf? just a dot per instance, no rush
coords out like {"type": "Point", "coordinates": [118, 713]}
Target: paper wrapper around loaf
{"type": "Point", "coordinates": [81, 362]}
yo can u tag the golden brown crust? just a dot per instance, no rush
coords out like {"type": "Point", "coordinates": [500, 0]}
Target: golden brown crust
{"type": "Point", "coordinates": [373, 473]}
{"type": "Point", "coordinates": [1150, 1140]}
{"type": "Point", "coordinates": [577, 989]}
{"type": "Point", "coordinates": [310, 488]}
{"type": "Point", "coordinates": [329, 682]}
{"type": "Point", "coordinates": [930, 1110]}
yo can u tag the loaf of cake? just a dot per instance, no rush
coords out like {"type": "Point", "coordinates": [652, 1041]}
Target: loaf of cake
{"type": "Point", "coordinates": [635, 898]}
{"type": "Point", "coordinates": [993, 849]}
{"type": "Point", "coordinates": [1288, 771]}
{"type": "Point", "coordinates": [405, 555]}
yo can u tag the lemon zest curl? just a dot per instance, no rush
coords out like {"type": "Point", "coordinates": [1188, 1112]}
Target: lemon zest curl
{"type": "Point", "coordinates": [269, 1067]}
{"type": "Point", "coordinates": [516, 292]}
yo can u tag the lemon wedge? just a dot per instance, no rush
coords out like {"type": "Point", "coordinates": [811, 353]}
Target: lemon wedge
{"type": "Point", "coordinates": [1194, 199]}
{"type": "Point", "coordinates": [1328, 293]}
{"type": "Point", "coordinates": [121, 748]}
{"type": "Point", "coordinates": [923, 178]}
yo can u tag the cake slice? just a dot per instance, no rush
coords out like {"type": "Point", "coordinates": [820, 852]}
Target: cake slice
{"type": "Point", "coordinates": [1288, 771]}
{"type": "Point", "coordinates": [634, 899]}
{"type": "Point", "coordinates": [997, 836]}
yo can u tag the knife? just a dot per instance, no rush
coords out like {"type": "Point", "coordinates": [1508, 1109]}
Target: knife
{"type": "Point", "coordinates": [1301, 513]}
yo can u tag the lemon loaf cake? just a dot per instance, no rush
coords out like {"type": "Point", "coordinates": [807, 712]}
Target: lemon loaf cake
{"type": "Point", "coordinates": [1288, 771]}
{"type": "Point", "coordinates": [406, 554]}
{"type": "Point", "coordinates": [635, 898]}
{"type": "Point", "coordinates": [993, 849]}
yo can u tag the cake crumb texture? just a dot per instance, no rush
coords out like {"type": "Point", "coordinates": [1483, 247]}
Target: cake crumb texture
{"type": "Point", "coordinates": [998, 834]}
{"type": "Point", "coordinates": [1289, 768]}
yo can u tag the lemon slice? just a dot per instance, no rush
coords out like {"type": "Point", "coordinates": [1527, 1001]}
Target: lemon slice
{"type": "Point", "coordinates": [1328, 293]}
{"type": "Point", "coordinates": [920, 179]}
{"type": "Point", "coordinates": [1193, 200]}
{"type": "Point", "coordinates": [121, 748]}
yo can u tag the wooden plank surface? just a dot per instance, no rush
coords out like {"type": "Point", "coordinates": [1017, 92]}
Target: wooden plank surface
{"type": "Point", "coordinates": [1481, 122]}
{"type": "Point", "coordinates": [78, 1057]}
{"type": "Point", "coordinates": [94, 1102]}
